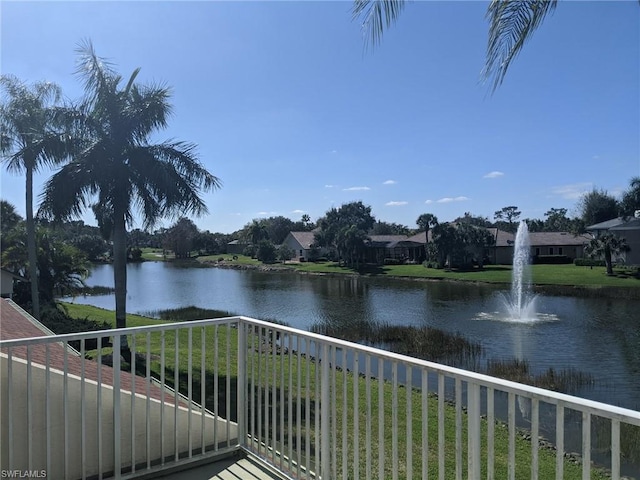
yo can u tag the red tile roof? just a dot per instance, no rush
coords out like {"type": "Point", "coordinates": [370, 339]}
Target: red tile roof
{"type": "Point", "coordinates": [15, 323]}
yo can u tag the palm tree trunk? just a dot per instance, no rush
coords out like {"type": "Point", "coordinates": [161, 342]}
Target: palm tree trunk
{"type": "Point", "coordinates": [31, 246]}
{"type": "Point", "coordinates": [120, 278]}
{"type": "Point", "coordinates": [607, 259]}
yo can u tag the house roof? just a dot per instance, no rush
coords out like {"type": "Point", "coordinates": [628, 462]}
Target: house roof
{"type": "Point", "coordinates": [16, 323]}
{"type": "Point", "coordinates": [614, 222]}
{"type": "Point", "coordinates": [305, 239]}
{"type": "Point", "coordinates": [557, 238]}
{"type": "Point", "coordinates": [633, 224]}
{"type": "Point", "coordinates": [502, 238]}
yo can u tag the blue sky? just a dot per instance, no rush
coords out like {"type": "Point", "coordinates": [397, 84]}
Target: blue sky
{"type": "Point", "coordinates": [294, 116]}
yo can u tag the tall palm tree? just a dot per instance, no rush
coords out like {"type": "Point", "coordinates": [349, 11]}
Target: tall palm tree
{"type": "Point", "coordinates": [511, 24]}
{"type": "Point", "coordinates": [115, 165]}
{"type": "Point", "coordinates": [27, 142]}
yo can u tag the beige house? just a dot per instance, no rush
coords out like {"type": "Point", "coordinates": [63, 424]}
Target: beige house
{"type": "Point", "coordinates": [629, 229]}
{"type": "Point", "coordinates": [301, 245]}
{"type": "Point", "coordinates": [7, 279]}
{"type": "Point", "coordinates": [558, 243]}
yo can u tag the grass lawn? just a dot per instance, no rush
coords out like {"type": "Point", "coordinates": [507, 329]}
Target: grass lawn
{"type": "Point", "coordinates": [216, 359]}
{"type": "Point", "coordinates": [567, 274]}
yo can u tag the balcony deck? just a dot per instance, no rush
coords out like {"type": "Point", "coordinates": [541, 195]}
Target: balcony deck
{"type": "Point", "coordinates": [232, 468]}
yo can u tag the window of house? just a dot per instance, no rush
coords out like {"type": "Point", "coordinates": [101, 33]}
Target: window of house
{"type": "Point", "coordinates": [537, 251]}
{"type": "Point", "coordinates": [550, 250]}
{"type": "Point", "coordinates": [559, 250]}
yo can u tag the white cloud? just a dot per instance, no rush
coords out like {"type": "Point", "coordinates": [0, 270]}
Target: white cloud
{"type": "Point", "coordinates": [329, 186]}
{"type": "Point", "coordinates": [429, 202]}
{"type": "Point", "coordinates": [572, 191]}
{"type": "Point", "coordinates": [452, 199]}
{"type": "Point", "coordinates": [389, 182]}
{"type": "Point", "coordinates": [334, 151]}
{"type": "Point", "coordinates": [355, 189]}
{"type": "Point", "coordinates": [395, 204]}
{"type": "Point", "coordinates": [267, 213]}
{"type": "Point", "coordinates": [297, 211]}
{"type": "Point", "coordinates": [494, 174]}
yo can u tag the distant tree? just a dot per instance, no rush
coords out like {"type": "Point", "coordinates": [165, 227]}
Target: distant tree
{"type": "Point", "coordinates": [557, 220]}
{"type": "Point", "coordinates": [27, 142]}
{"type": "Point", "coordinates": [386, 228]}
{"type": "Point", "coordinates": [9, 217]}
{"type": "Point", "coordinates": [606, 246]}
{"type": "Point", "coordinates": [9, 220]}
{"type": "Point", "coordinates": [139, 238]}
{"type": "Point", "coordinates": [630, 202]}
{"type": "Point", "coordinates": [285, 253]}
{"type": "Point", "coordinates": [257, 231]}
{"type": "Point", "coordinates": [278, 228]}
{"type": "Point", "coordinates": [534, 224]}
{"type": "Point", "coordinates": [470, 219]}
{"type": "Point", "coordinates": [180, 237]}
{"type": "Point", "coordinates": [597, 206]}
{"type": "Point", "coordinates": [507, 218]}
{"type": "Point", "coordinates": [476, 240]}
{"type": "Point", "coordinates": [426, 222]}
{"type": "Point", "coordinates": [266, 251]}
{"type": "Point", "coordinates": [345, 229]}
{"type": "Point", "coordinates": [449, 244]}
{"type": "Point", "coordinates": [307, 224]}
{"type": "Point", "coordinates": [93, 246]}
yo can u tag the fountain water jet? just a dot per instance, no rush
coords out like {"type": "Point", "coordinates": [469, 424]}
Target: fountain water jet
{"type": "Point", "coordinates": [521, 304]}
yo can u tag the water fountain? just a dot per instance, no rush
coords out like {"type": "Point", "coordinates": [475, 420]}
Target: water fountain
{"type": "Point", "coordinates": [521, 304]}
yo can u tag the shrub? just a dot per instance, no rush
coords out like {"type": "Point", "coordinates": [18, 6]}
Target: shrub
{"type": "Point", "coordinates": [267, 252]}
{"type": "Point", "coordinates": [551, 259]}
{"type": "Point", "coordinates": [392, 261]}
{"type": "Point", "coordinates": [588, 262]}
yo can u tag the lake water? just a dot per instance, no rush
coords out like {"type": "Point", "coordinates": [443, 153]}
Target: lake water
{"type": "Point", "coordinates": [596, 336]}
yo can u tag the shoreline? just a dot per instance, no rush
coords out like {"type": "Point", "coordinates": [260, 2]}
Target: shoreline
{"type": "Point", "coordinates": [598, 291]}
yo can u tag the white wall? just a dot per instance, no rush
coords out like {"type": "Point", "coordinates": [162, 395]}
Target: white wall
{"type": "Point", "coordinates": [56, 433]}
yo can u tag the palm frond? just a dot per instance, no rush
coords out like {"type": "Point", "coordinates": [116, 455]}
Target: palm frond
{"type": "Point", "coordinates": [512, 23]}
{"type": "Point", "coordinates": [376, 16]}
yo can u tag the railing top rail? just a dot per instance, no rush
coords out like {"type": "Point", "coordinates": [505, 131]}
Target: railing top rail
{"type": "Point", "coordinates": [67, 337]}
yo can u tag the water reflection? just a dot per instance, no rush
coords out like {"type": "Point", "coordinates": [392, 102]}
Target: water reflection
{"type": "Point", "coordinates": [598, 336]}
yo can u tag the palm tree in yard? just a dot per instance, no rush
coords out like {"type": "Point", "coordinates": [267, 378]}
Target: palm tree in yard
{"type": "Point", "coordinates": [27, 142]}
{"type": "Point", "coordinates": [116, 170]}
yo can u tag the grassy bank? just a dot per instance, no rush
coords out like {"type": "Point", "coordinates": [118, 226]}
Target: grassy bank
{"type": "Point", "coordinates": [217, 359]}
{"type": "Point", "coordinates": [542, 275]}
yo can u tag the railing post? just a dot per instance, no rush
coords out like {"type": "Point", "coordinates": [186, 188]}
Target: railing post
{"type": "Point", "coordinates": [242, 380]}
{"type": "Point", "coordinates": [325, 426]}
{"type": "Point", "coordinates": [473, 409]}
{"type": "Point", "coordinates": [116, 406]}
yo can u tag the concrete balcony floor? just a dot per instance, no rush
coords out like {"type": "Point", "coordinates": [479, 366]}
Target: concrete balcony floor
{"type": "Point", "coordinates": [231, 468]}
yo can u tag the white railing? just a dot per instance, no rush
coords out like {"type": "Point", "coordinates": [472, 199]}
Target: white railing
{"type": "Point", "coordinates": [309, 405]}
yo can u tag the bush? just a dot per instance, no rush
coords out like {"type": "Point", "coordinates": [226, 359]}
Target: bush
{"type": "Point", "coordinates": [551, 259]}
{"type": "Point", "coordinates": [588, 262]}
{"type": "Point", "coordinates": [56, 320]}
{"type": "Point", "coordinates": [267, 252]}
{"type": "Point", "coordinates": [392, 261]}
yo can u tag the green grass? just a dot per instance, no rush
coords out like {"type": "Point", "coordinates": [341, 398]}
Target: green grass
{"type": "Point", "coordinates": [216, 359]}
{"type": "Point", "coordinates": [567, 274]}
{"type": "Point", "coordinates": [230, 259]}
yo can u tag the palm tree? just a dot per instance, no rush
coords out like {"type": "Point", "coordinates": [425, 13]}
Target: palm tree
{"type": "Point", "coordinates": [27, 142]}
{"type": "Point", "coordinates": [114, 164]}
{"type": "Point", "coordinates": [511, 25]}
{"type": "Point", "coordinates": [426, 222]}
{"type": "Point", "coordinates": [606, 246]}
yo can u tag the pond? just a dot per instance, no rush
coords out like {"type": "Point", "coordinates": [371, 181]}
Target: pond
{"type": "Point", "coordinates": [597, 336]}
